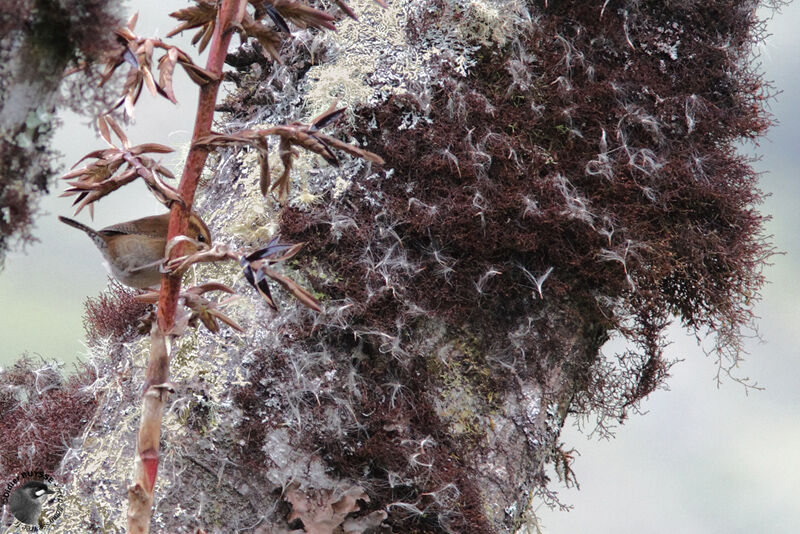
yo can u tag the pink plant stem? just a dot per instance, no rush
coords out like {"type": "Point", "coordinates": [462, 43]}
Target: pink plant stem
{"type": "Point", "coordinates": [178, 222]}
{"type": "Point", "coordinates": [157, 388]}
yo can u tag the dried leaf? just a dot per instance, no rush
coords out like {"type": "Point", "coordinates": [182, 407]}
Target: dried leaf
{"type": "Point", "coordinates": [304, 16]}
{"type": "Point", "coordinates": [97, 178]}
{"type": "Point", "coordinates": [275, 251]}
{"type": "Point", "coordinates": [132, 93]}
{"type": "Point", "coordinates": [200, 307]}
{"type": "Point", "coordinates": [243, 137]}
{"type": "Point", "coordinates": [163, 171]}
{"type": "Point", "coordinates": [130, 58]}
{"type": "Point", "coordinates": [126, 35]}
{"type": "Point", "coordinates": [209, 321]}
{"type": "Point", "coordinates": [256, 271]}
{"type": "Point", "coordinates": [149, 81]}
{"type": "Point", "coordinates": [151, 147]}
{"type": "Point", "coordinates": [317, 145]}
{"type": "Point", "coordinates": [146, 47]}
{"type": "Point", "coordinates": [139, 53]}
{"type": "Point", "coordinates": [204, 36]}
{"type": "Point", "coordinates": [259, 281]}
{"type": "Point", "coordinates": [92, 192]}
{"type": "Point", "coordinates": [329, 116]}
{"type": "Point", "coordinates": [164, 193]}
{"type": "Point", "coordinates": [203, 14]}
{"type": "Point", "coordinates": [104, 132]}
{"type": "Point", "coordinates": [347, 9]}
{"type": "Point", "coordinates": [350, 149]}
{"type": "Point", "coordinates": [111, 66]}
{"type": "Point", "coordinates": [277, 19]}
{"type": "Point", "coordinates": [300, 134]}
{"type": "Point", "coordinates": [198, 75]}
{"type": "Point", "coordinates": [100, 154]}
{"type": "Point", "coordinates": [282, 183]}
{"type": "Point", "coordinates": [77, 172]}
{"type": "Point", "coordinates": [236, 21]}
{"type": "Point", "coordinates": [132, 21]}
{"type": "Point", "coordinates": [118, 131]}
{"type": "Point", "coordinates": [92, 182]}
{"type": "Point", "coordinates": [210, 286]}
{"type": "Point", "coordinates": [206, 311]}
{"type": "Point", "coordinates": [166, 69]}
{"type": "Point", "coordinates": [306, 298]}
{"type": "Point", "coordinates": [204, 254]}
{"type": "Point", "coordinates": [227, 320]}
{"type": "Point", "coordinates": [296, 134]}
{"type": "Point", "coordinates": [263, 164]}
{"type": "Point", "coordinates": [268, 39]}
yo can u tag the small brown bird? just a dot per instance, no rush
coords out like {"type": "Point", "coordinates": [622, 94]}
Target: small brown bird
{"type": "Point", "coordinates": [134, 249]}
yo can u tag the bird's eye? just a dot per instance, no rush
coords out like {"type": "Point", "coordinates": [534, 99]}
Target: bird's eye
{"type": "Point", "coordinates": [201, 238]}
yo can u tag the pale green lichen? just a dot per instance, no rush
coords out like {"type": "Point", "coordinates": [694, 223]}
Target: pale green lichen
{"type": "Point", "coordinates": [466, 400]}
{"type": "Point", "coordinates": [460, 407]}
{"type": "Point", "coordinates": [183, 352]}
{"type": "Point", "coordinates": [491, 23]}
{"type": "Point", "coordinates": [320, 271]}
{"type": "Point", "coordinates": [138, 351]}
{"type": "Point", "coordinates": [226, 272]}
{"type": "Point", "coordinates": [362, 47]}
{"type": "Point", "coordinates": [340, 186]}
{"type": "Point", "coordinates": [258, 220]}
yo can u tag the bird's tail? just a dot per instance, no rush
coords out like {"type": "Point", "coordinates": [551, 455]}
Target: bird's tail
{"type": "Point", "coordinates": [80, 226]}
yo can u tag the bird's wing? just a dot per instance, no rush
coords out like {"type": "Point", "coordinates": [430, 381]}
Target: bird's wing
{"type": "Point", "coordinates": [151, 226]}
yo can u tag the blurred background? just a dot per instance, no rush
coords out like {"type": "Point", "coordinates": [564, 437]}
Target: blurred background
{"type": "Point", "coordinates": [43, 287]}
{"type": "Point", "coordinates": [703, 459]}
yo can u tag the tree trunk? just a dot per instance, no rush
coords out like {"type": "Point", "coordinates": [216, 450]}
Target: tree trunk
{"type": "Point", "coordinates": [40, 39]}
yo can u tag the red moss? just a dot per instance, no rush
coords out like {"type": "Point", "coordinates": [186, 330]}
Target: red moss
{"type": "Point", "coordinates": [581, 140]}
{"type": "Point", "coordinates": [377, 451]}
{"type": "Point", "coordinates": [40, 413]}
{"type": "Point", "coordinates": [115, 313]}
{"type": "Point", "coordinates": [669, 183]}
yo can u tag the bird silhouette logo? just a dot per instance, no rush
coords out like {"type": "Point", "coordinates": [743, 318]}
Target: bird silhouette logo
{"type": "Point", "coordinates": [34, 500]}
{"type": "Point", "coordinates": [26, 502]}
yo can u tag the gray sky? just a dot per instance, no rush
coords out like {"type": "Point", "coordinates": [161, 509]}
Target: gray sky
{"type": "Point", "coordinates": [702, 460]}
{"type": "Point", "coordinates": [63, 268]}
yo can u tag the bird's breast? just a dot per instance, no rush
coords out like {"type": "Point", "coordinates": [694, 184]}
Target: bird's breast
{"type": "Point", "coordinates": [134, 259]}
